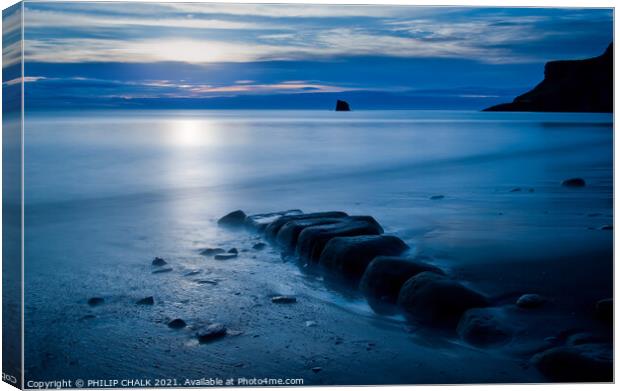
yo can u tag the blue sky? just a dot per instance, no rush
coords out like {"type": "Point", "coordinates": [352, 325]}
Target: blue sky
{"type": "Point", "coordinates": [295, 56]}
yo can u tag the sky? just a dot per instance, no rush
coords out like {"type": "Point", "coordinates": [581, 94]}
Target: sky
{"type": "Point", "coordinates": [196, 55]}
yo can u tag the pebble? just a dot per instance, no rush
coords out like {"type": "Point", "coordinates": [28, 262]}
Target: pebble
{"type": "Point", "coordinates": [283, 300]}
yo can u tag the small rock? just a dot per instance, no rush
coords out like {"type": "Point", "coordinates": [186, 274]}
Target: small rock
{"type": "Point", "coordinates": [607, 227]}
{"type": "Point", "coordinates": [317, 369]}
{"type": "Point", "coordinates": [530, 300]}
{"type": "Point", "coordinates": [211, 282]}
{"type": "Point", "coordinates": [605, 310]}
{"type": "Point", "coordinates": [234, 219]}
{"type": "Point", "coordinates": [164, 270]}
{"type": "Point", "coordinates": [158, 262]}
{"type": "Point", "coordinates": [342, 105]}
{"type": "Point", "coordinates": [311, 323]}
{"type": "Point", "coordinates": [259, 246]}
{"type": "Point", "coordinates": [210, 333]}
{"type": "Point", "coordinates": [146, 301]}
{"type": "Point", "coordinates": [283, 300]}
{"type": "Point", "coordinates": [574, 182]}
{"type": "Point", "coordinates": [581, 363]}
{"type": "Point", "coordinates": [192, 273]}
{"type": "Point", "coordinates": [437, 197]}
{"type": "Point", "coordinates": [88, 317]}
{"type": "Point", "coordinates": [225, 257]}
{"type": "Point", "coordinates": [177, 324]}
{"type": "Point", "coordinates": [93, 301]}
{"type": "Point", "coordinates": [483, 327]}
{"type": "Point", "coordinates": [233, 251]}
{"type": "Point", "coordinates": [211, 251]}
{"type": "Point", "coordinates": [515, 190]}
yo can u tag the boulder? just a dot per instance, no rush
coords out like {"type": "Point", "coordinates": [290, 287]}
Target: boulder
{"type": "Point", "coordinates": [159, 262]}
{"type": "Point", "coordinates": [574, 182]}
{"type": "Point", "coordinates": [312, 240]}
{"type": "Point", "coordinates": [211, 333]}
{"type": "Point", "coordinates": [350, 256]}
{"type": "Point", "coordinates": [177, 324]}
{"type": "Point", "coordinates": [271, 231]}
{"type": "Point", "coordinates": [225, 257]}
{"type": "Point", "coordinates": [484, 327]}
{"type": "Point", "coordinates": [342, 105]}
{"type": "Point", "coordinates": [234, 219]}
{"type": "Point", "coordinates": [435, 300]}
{"type": "Point", "coordinates": [580, 363]}
{"type": "Point", "coordinates": [530, 300]}
{"type": "Point", "coordinates": [259, 222]}
{"type": "Point", "coordinates": [385, 276]}
{"type": "Point", "coordinates": [146, 301]}
{"type": "Point", "coordinates": [288, 234]}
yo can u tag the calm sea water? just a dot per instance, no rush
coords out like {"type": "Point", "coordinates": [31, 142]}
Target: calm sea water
{"type": "Point", "coordinates": [106, 191]}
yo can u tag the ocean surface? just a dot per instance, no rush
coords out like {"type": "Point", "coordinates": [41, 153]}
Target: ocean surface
{"type": "Point", "coordinates": [107, 191]}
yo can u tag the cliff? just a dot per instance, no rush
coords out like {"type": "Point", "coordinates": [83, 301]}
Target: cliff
{"type": "Point", "coordinates": [570, 86]}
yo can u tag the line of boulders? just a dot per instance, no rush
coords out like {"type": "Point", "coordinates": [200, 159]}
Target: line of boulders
{"type": "Point", "coordinates": [356, 250]}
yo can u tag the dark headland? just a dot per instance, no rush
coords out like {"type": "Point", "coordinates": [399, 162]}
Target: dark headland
{"type": "Point", "coordinates": [570, 86]}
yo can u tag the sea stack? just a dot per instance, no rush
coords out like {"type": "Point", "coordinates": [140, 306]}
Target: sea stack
{"type": "Point", "coordinates": [341, 105]}
{"type": "Point", "coordinates": [570, 86]}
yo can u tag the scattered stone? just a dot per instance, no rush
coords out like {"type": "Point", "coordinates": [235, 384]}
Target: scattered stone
{"type": "Point", "coordinates": [225, 257]}
{"type": "Point", "coordinates": [605, 310]}
{"type": "Point", "coordinates": [574, 182]}
{"type": "Point", "coordinates": [317, 369]}
{"type": "Point", "coordinates": [515, 190]}
{"type": "Point", "coordinates": [607, 227]}
{"type": "Point", "coordinates": [163, 270]}
{"type": "Point", "coordinates": [350, 256]}
{"type": "Point", "coordinates": [259, 246]}
{"type": "Point", "coordinates": [483, 327]}
{"type": "Point", "coordinates": [272, 229]}
{"type": "Point", "coordinates": [581, 363]}
{"type": "Point", "coordinates": [209, 252]}
{"type": "Point", "coordinates": [210, 282]}
{"type": "Point", "coordinates": [211, 333]}
{"type": "Point", "coordinates": [159, 262]}
{"type": "Point", "coordinates": [530, 300]}
{"type": "Point", "coordinates": [234, 219]}
{"type": "Point", "coordinates": [437, 197]}
{"type": "Point", "coordinates": [177, 324]}
{"type": "Point", "coordinates": [192, 273]}
{"type": "Point", "coordinates": [93, 301]}
{"type": "Point", "coordinates": [432, 299]}
{"type": "Point", "coordinates": [311, 323]}
{"type": "Point", "coordinates": [385, 276]}
{"type": "Point", "coordinates": [313, 240]}
{"type": "Point", "coordinates": [233, 251]}
{"type": "Point", "coordinates": [146, 301]}
{"type": "Point", "coordinates": [283, 299]}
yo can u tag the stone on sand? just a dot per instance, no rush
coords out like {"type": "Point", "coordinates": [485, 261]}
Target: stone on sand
{"type": "Point", "coordinates": [177, 324]}
{"type": "Point", "coordinates": [211, 332]}
{"type": "Point", "coordinates": [384, 277]}
{"type": "Point", "coordinates": [225, 257]}
{"type": "Point", "coordinates": [283, 299]}
{"type": "Point", "coordinates": [271, 231]}
{"type": "Point", "coordinates": [313, 240]}
{"type": "Point", "coordinates": [435, 300]}
{"type": "Point", "coordinates": [591, 362]}
{"type": "Point", "coordinates": [210, 251]}
{"type": "Point", "coordinates": [93, 301]}
{"type": "Point", "coordinates": [234, 219]}
{"type": "Point", "coordinates": [483, 327]}
{"type": "Point", "coordinates": [351, 255]}
{"type": "Point", "coordinates": [159, 262]}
